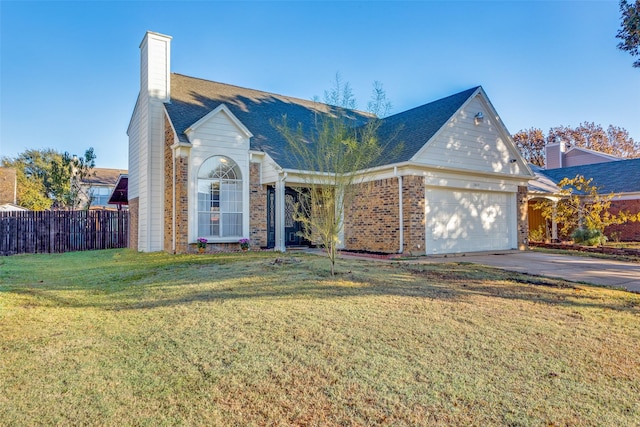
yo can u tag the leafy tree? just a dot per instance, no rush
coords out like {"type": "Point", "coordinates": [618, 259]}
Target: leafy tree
{"type": "Point", "coordinates": [67, 176]}
{"type": "Point", "coordinates": [33, 176]}
{"type": "Point", "coordinates": [531, 144]}
{"type": "Point", "coordinates": [582, 208]}
{"type": "Point", "coordinates": [629, 31]}
{"type": "Point", "coordinates": [44, 177]}
{"type": "Point", "coordinates": [336, 149]}
{"type": "Point", "coordinates": [614, 140]}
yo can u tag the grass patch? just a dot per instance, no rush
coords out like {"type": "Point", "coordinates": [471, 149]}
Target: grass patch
{"type": "Point", "coordinates": [119, 337]}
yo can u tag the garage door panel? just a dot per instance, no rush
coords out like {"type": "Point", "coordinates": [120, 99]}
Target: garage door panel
{"type": "Point", "coordinates": [463, 221]}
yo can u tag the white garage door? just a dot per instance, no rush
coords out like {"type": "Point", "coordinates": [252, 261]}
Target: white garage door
{"type": "Point", "coordinates": [465, 221]}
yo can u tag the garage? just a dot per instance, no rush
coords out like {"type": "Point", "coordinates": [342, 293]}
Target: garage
{"type": "Point", "coordinates": [468, 221]}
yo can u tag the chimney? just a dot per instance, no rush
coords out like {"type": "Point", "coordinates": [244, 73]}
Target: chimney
{"type": "Point", "coordinates": [155, 66]}
{"type": "Point", "coordinates": [554, 155]}
{"type": "Point", "coordinates": [146, 142]}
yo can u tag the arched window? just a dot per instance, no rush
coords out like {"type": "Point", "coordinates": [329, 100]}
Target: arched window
{"type": "Point", "coordinates": [219, 198]}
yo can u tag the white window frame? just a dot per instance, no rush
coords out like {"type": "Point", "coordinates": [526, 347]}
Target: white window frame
{"type": "Point", "coordinates": [239, 200]}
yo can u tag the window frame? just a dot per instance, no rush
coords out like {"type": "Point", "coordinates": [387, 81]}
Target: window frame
{"type": "Point", "coordinates": [233, 197]}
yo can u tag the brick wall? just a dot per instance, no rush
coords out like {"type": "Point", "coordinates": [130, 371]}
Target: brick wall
{"type": "Point", "coordinates": [168, 186]}
{"type": "Point", "coordinates": [523, 218]}
{"type": "Point", "coordinates": [7, 185]}
{"type": "Point", "coordinates": [133, 223]}
{"type": "Point", "coordinates": [182, 204]}
{"type": "Point", "coordinates": [257, 208]}
{"type": "Point", "coordinates": [371, 220]}
{"type": "Point", "coordinates": [176, 174]}
{"type": "Point", "coordinates": [629, 231]}
{"type": "Point", "coordinates": [414, 215]}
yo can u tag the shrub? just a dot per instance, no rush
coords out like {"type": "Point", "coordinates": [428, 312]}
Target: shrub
{"type": "Point", "coordinates": [588, 237]}
{"type": "Point", "coordinates": [538, 235]}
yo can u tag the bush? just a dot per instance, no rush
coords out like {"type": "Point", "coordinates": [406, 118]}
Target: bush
{"type": "Point", "coordinates": [588, 237]}
{"type": "Point", "coordinates": [538, 235]}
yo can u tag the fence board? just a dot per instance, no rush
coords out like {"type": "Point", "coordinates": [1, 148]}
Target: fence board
{"type": "Point", "coordinates": [62, 231]}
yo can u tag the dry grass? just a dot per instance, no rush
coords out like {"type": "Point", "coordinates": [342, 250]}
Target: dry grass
{"type": "Point", "coordinates": [117, 337]}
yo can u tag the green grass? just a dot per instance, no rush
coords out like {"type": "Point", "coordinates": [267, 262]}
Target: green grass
{"type": "Point", "coordinates": [122, 338]}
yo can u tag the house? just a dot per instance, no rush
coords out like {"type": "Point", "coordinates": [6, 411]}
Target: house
{"type": "Point", "coordinates": [119, 196]}
{"type": "Point", "coordinates": [11, 207]}
{"type": "Point", "coordinates": [99, 186]}
{"type": "Point", "coordinates": [205, 160]}
{"type": "Point", "coordinates": [609, 173]}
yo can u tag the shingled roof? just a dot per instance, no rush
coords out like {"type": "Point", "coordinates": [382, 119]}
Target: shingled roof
{"type": "Point", "coordinates": [193, 98]}
{"type": "Point", "coordinates": [621, 176]}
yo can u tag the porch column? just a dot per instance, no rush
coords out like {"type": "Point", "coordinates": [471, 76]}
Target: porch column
{"type": "Point", "coordinates": [554, 223]}
{"type": "Point", "coordinates": [279, 205]}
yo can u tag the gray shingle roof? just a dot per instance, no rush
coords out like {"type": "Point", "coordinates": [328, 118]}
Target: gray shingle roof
{"type": "Point", "coordinates": [193, 98]}
{"type": "Point", "coordinates": [621, 176]}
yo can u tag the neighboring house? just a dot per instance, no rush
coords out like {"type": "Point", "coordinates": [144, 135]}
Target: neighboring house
{"type": "Point", "coordinates": [10, 207]}
{"type": "Point", "coordinates": [99, 187]}
{"type": "Point", "coordinates": [557, 156]}
{"type": "Point", "coordinates": [119, 195]}
{"type": "Point", "coordinates": [205, 160]}
{"type": "Point", "coordinates": [610, 174]}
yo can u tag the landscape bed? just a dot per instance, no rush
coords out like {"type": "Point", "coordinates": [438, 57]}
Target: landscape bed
{"type": "Point", "coordinates": [119, 337]}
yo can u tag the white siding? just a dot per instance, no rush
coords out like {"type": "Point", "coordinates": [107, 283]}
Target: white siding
{"type": "Point", "coordinates": [463, 144]}
{"type": "Point", "coordinates": [468, 221]}
{"type": "Point", "coordinates": [134, 149]}
{"type": "Point", "coordinates": [146, 151]}
{"type": "Point", "coordinates": [218, 136]}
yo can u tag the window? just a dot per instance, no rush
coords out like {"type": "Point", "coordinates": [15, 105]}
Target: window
{"type": "Point", "coordinates": [100, 195]}
{"type": "Point", "coordinates": [219, 198]}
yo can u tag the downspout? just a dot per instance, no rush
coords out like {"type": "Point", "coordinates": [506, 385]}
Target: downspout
{"type": "Point", "coordinates": [401, 214]}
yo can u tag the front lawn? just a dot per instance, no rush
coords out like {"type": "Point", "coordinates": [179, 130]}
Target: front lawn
{"type": "Point", "coordinates": [121, 338]}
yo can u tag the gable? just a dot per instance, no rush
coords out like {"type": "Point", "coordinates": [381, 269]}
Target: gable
{"type": "Point", "coordinates": [467, 143]}
{"type": "Point", "coordinates": [219, 129]}
{"type": "Point", "coordinates": [578, 156]}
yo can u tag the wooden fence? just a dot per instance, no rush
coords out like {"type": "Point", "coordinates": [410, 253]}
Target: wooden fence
{"type": "Point", "coordinates": [62, 231]}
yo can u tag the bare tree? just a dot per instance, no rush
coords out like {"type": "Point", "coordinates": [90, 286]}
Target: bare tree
{"type": "Point", "coordinates": [342, 143]}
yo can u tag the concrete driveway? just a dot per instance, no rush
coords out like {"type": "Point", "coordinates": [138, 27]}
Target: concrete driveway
{"type": "Point", "coordinates": [574, 268]}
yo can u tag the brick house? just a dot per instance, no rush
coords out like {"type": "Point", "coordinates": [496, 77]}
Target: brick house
{"type": "Point", "coordinates": [609, 173]}
{"type": "Point", "coordinates": [205, 160]}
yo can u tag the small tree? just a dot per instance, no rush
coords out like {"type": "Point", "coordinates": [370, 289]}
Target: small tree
{"type": "Point", "coordinates": [582, 209]}
{"type": "Point", "coordinates": [342, 143]}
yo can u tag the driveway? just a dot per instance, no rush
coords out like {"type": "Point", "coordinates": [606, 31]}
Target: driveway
{"type": "Point", "coordinates": [574, 268]}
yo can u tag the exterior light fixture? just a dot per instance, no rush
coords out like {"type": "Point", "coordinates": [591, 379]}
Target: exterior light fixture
{"type": "Point", "coordinates": [479, 117]}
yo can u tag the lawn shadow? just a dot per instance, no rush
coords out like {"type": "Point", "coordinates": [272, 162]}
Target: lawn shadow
{"type": "Point", "coordinates": [184, 281]}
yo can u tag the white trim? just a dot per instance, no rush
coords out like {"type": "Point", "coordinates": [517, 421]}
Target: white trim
{"type": "Point", "coordinates": [221, 108]}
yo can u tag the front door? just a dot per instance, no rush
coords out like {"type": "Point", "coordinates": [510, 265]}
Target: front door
{"type": "Point", "coordinates": [291, 226]}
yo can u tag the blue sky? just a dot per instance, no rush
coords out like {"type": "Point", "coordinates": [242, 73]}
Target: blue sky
{"type": "Point", "coordinates": [69, 70]}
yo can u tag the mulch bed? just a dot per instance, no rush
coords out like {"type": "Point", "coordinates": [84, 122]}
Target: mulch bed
{"type": "Point", "coordinates": [593, 249]}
